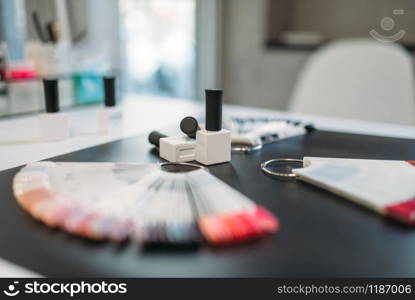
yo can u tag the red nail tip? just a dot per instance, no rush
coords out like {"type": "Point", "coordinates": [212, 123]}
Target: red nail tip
{"type": "Point", "coordinates": [412, 162]}
{"type": "Point", "coordinates": [56, 215]}
{"type": "Point", "coordinates": [31, 198]}
{"type": "Point", "coordinates": [237, 227]}
{"type": "Point", "coordinates": [254, 226]}
{"type": "Point", "coordinates": [404, 211]}
{"type": "Point", "coordinates": [250, 228]}
{"type": "Point", "coordinates": [248, 231]}
{"type": "Point", "coordinates": [214, 229]}
{"type": "Point", "coordinates": [206, 228]}
{"type": "Point", "coordinates": [74, 221]}
{"type": "Point", "coordinates": [83, 226]}
{"type": "Point", "coordinates": [268, 222]}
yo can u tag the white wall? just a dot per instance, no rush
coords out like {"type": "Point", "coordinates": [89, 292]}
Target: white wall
{"type": "Point", "coordinates": [256, 76]}
{"type": "Point", "coordinates": [252, 74]}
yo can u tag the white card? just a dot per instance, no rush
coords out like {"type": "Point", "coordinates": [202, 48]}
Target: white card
{"type": "Point", "coordinates": [376, 184]}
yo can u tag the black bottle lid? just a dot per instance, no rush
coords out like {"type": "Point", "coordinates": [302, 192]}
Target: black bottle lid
{"type": "Point", "coordinates": [154, 138]}
{"type": "Point", "coordinates": [309, 128]}
{"type": "Point", "coordinates": [50, 88]}
{"type": "Point", "coordinates": [213, 110]}
{"type": "Point", "coordinates": [109, 90]}
{"type": "Point", "coordinates": [189, 126]}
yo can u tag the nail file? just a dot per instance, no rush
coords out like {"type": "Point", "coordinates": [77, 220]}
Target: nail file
{"type": "Point", "coordinates": [385, 186]}
{"type": "Point", "coordinates": [141, 202]}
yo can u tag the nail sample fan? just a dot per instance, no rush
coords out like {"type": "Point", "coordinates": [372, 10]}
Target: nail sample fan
{"type": "Point", "coordinates": [148, 203]}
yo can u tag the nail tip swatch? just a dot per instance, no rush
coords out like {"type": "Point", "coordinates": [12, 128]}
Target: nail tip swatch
{"type": "Point", "coordinates": [139, 202]}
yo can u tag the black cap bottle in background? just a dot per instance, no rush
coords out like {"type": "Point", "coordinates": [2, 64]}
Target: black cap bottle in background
{"type": "Point", "coordinates": [51, 92]}
{"type": "Point", "coordinates": [110, 116]}
{"type": "Point", "coordinates": [53, 124]}
{"type": "Point", "coordinates": [109, 91]}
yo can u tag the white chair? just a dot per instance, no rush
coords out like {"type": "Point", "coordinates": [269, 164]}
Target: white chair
{"type": "Point", "coordinates": [358, 79]}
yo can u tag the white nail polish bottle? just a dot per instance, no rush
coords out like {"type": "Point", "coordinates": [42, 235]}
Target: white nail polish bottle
{"type": "Point", "coordinates": [53, 124]}
{"type": "Point", "coordinates": [213, 144]}
{"type": "Point", "coordinates": [175, 148]}
{"type": "Point", "coordinates": [110, 116]}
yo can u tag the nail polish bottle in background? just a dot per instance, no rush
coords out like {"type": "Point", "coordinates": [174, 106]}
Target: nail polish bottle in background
{"type": "Point", "coordinates": [213, 144]}
{"type": "Point", "coordinates": [54, 125]}
{"type": "Point", "coordinates": [109, 116]}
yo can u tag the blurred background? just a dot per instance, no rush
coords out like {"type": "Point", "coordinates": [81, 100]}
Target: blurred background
{"type": "Point", "coordinates": [344, 58]}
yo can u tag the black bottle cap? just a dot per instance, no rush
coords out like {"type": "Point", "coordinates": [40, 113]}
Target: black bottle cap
{"type": "Point", "coordinates": [309, 128]}
{"type": "Point", "coordinates": [154, 138]}
{"type": "Point", "coordinates": [213, 110]}
{"type": "Point", "coordinates": [189, 126]}
{"type": "Point", "coordinates": [50, 88]}
{"type": "Point", "coordinates": [109, 90]}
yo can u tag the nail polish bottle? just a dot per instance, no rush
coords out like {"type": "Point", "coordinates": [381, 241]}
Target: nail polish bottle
{"type": "Point", "coordinates": [213, 144]}
{"type": "Point", "coordinates": [53, 124]}
{"type": "Point", "coordinates": [109, 116]}
{"type": "Point", "coordinates": [174, 148]}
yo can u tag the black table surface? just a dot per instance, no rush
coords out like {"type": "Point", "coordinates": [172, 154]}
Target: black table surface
{"type": "Point", "coordinates": [321, 235]}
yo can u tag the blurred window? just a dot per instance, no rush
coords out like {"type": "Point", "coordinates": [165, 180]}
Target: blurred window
{"type": "Point", "coordinates": [158, 39]}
